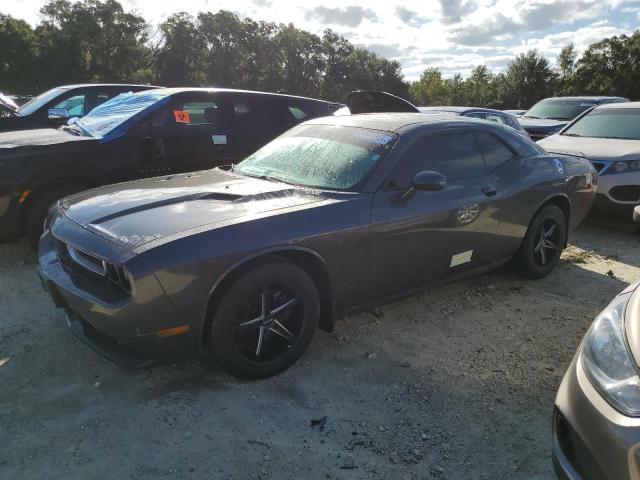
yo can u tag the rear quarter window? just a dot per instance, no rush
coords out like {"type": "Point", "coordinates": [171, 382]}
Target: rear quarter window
{"type": "Point", "coordinates": [494, 150]}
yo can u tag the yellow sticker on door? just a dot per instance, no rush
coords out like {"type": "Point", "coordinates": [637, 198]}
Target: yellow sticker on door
{"type": "Point", "coordinates": [461, 258]}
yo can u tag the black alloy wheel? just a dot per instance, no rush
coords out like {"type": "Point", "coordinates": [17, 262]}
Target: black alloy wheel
{"type": "Point", "coordinates": [265, 320]}
{"type": "Point", "coordinates": [546, 245]}
{"type": "Point", "coordinates": [543, 244]}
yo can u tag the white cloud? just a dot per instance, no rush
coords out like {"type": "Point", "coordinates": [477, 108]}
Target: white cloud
{"type": "Point", "coordinates": [454, 35]}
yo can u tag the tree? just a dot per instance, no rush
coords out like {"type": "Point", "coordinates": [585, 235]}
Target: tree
{"type": "Point", "coordinates": [478, 87]}
{"type": "Point", "coordinates": [566, 67]}
{"type": "Point", "coordinates": [430, 89]}
{"type": "Point", "coordinates": [528, 79]}
{"type": "Point", "coordinates": [90, 40]}
{"type": "Point", "coordinates": [179, 61]}
{"type": "Point", "coordinates": [17, 55]}
{"type": "Point", "coordinates": [611, 67]}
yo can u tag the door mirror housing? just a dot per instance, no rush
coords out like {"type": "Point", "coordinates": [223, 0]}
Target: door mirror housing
{"type": "Point", "coordinates": [429, 181]}
{"type": "Point", "coordinates": [58, 114]}
{"type": "Point", "coordinates": [426, 180]}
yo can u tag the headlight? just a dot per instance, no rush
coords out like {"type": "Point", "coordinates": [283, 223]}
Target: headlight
{"type": "Point", "coordinates": [609, 363]}
{"type": "Point", "coordinates": [622, 167]}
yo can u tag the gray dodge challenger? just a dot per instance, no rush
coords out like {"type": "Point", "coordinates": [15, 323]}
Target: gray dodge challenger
{"type": "Point", "coordinates": [339, 214]}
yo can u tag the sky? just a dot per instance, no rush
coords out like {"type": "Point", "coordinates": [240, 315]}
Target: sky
{"type": "Point", "coordinates": [453, 35]}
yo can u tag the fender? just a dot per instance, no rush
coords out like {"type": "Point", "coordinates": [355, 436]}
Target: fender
{"type": "Point", "coordinates": [245, 260]}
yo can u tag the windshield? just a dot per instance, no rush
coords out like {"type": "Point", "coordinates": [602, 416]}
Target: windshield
{"type": "Point", "coordinates": [622, 123]}
{"type": "Point", "coordinates": [558, 109]}
{"type": "Point", "coordinates": [107, 117]}
{"type": "Point", "coordinates": [320, 156]}
{"type": "Point", "coordinates": [36, 102]}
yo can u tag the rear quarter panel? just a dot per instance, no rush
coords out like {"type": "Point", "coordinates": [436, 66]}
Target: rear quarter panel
{"type": "Point", "coordinates": [526, 183]}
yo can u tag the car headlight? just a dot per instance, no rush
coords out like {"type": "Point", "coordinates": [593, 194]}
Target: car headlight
{"type": "Point", "coordinates": [622, 167]}
{"type": "Point", "coordinates": [607, 359]}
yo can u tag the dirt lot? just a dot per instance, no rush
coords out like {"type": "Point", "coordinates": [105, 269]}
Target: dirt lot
{"type": "Point", "coordinates": [455, 383]}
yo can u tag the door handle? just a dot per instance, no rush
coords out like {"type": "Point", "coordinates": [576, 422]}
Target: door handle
{"type": "Point", "coordinates": [489, 191]}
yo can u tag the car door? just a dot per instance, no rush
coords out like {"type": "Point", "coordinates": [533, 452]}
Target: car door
{"type": "Point", "coordinates": [191, 133]}
{"type": "Point", "coordinates": [433, 234]}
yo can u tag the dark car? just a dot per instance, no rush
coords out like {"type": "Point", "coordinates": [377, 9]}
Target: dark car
{"type": "Point", "coordinates": [548, 116]}
{"type": "Point", "coordinates": [489, 114]}
{"type": "Point", "coordinates": [336, 215]}
{"type": "Point", "coordinates": [56, 106]}
{"type": "Point", "coordinates": [137, 135]}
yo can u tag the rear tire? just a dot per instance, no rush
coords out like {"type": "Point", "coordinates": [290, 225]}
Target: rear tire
{"type": "Point", "coordinates": [543, 244]}
{"type": "Point", "coordinates": [265, 321]}
{"type": "Point", "coordinates": [38, 209]}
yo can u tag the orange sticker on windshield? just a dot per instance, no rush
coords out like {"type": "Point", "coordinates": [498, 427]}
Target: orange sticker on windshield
{"type": "Point", "coordinates": [182, 116]}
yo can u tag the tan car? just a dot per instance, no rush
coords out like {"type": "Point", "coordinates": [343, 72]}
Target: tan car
{"type": "Point", "coordinates": [596, 419]}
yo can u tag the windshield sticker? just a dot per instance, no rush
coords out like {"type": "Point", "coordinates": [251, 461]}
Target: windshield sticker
{"type": "Point", "coordinates": [182, 116]}
{"type": "Point", "coordinates": [219, 139]}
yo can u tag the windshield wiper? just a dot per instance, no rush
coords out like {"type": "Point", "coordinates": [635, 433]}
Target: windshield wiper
{"type": "Point", "coordinates": [530, 116]}
{"type": "Point", "coordinates": [571, 135]}
{"type": "Point", "coordinates": [556, 118]}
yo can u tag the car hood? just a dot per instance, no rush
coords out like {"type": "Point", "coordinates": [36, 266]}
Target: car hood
{"type": "Point", "coordinates": [45, 137]}
{"type": "Point", "coordinates": [134, 213]}
{"type": "Point", "coordinates": [609, 149]}
{"type": "Point", "coordinates": [541, 124]}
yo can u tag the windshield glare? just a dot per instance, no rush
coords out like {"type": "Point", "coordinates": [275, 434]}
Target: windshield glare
{"type": "Point", "coordinates": [622, 123]}
{"type": "Point", "coordinates": [558, 109]}
{"type": "Point", "coordinates": [111, 114]}
{"type": "Point", "coordinates": [42, 99]}
{"type": "Point", "coordinates": [320, 156]}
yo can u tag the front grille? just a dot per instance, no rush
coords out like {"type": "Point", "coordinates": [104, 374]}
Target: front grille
{"type": "Point", "coordinates": [77, 260]}
{"type": "Point", "coordinates": [626, 193]}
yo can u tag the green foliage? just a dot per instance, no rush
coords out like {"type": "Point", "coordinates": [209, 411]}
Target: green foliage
{"type": "Point", "coordinates": [97, 41]}
{"type": "Point", "coordinates": [17, 54]}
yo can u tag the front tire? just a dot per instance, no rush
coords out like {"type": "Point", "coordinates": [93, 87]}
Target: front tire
{"type": "Point", "coordinates": [265, 321]}
{"type": "Point", "coordinates": [543, 244]}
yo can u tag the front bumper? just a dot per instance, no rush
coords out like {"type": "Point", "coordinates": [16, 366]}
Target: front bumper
{"type": "Point", "coordinates": [621, 189]}
{"type": "Point", "coordinates": [133, 331]}
{"type": "Point", "coordinates": [592, 440]}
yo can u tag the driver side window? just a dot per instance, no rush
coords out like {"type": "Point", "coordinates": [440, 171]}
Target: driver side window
{"type": "Point", "coordinates": [457, 156]}
{"type": "Point", "coordinates": [73, 105]}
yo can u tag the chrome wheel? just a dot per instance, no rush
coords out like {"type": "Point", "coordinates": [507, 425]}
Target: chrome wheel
{"type": "Point", "coordinates": [468, 214]}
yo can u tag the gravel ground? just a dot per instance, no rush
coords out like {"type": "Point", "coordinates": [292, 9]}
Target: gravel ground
{"type": "Point", "coordinates": [455, 383]}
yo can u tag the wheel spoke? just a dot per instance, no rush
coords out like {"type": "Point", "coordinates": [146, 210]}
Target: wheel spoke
{"type": "Point", "coordinates": [543, 256]}
{"type": "Point", "coordinates": [260, 341]}
{"type": "Point", "coordinates": [550, 232]}
{"type": "Point", "coordinates": [279, 329]}
{"type": "Point", "coordinates": [252, 323]}
{"type": "Point", "coordinates": [282, 308]}
{"type": "Point", "coordinates": [550, 245]}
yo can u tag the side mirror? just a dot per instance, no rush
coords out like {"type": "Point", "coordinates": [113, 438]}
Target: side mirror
{"type": "Point", "coordinates": [426, 180]}
{"type": "Point", "coordinates": [429, 181]}
{"type": "Point", "coordinates": [58, 114]}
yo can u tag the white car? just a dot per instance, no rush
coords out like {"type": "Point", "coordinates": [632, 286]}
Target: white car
{"type": "Point", "coordinates": [609, 136]}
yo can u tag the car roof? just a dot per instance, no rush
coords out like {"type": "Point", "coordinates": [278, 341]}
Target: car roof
{"type": "Point", "coordinates": [462, 109]}
{"type": "Point", "coordinates": [393, 122]}
{"type": "Point", "coordinates": [588, 98]}
{"type": "Point", "coordinates": [177, 90]}
{"type": "Point", "coordinates": [85, 85]}
{"type": "Point", "coordinates": [619, 105]}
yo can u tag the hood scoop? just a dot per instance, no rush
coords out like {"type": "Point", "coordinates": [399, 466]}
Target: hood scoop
{"type": "Point", "coordinates": [218, 196]}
